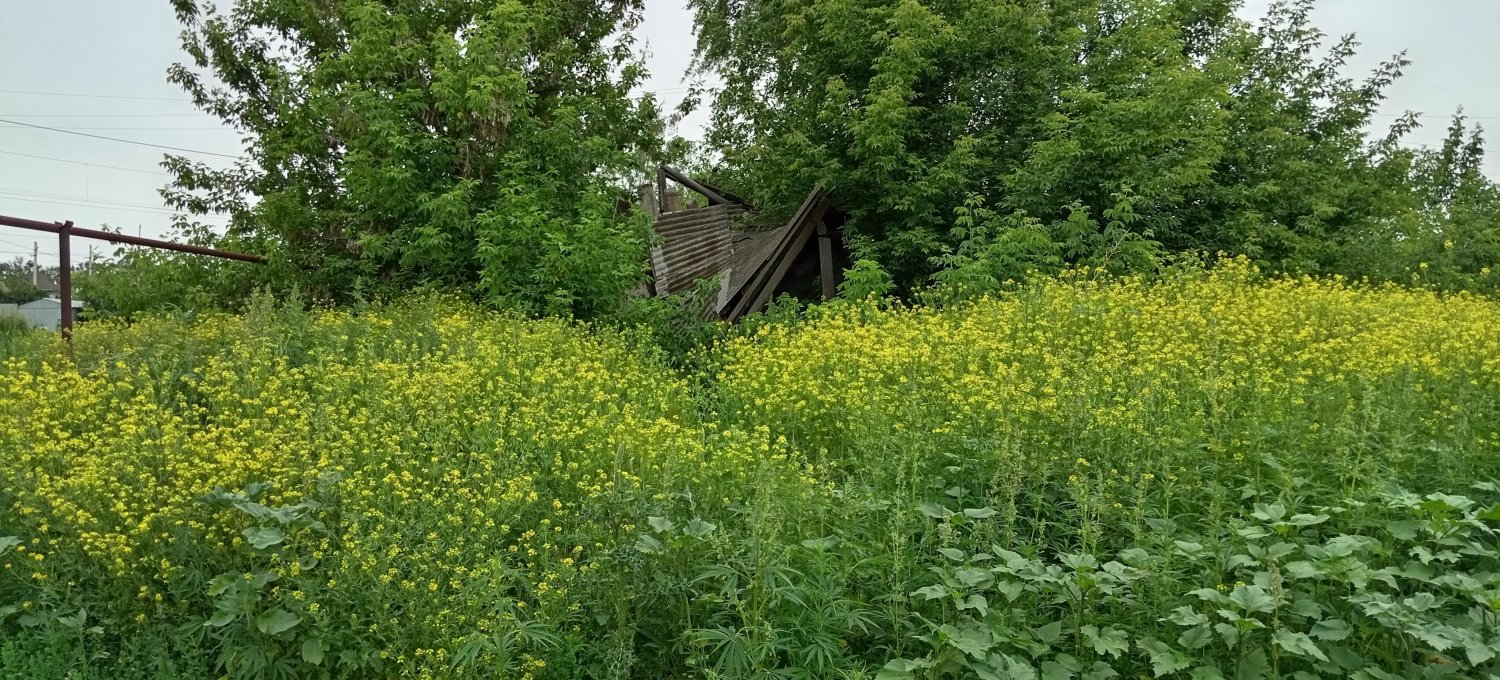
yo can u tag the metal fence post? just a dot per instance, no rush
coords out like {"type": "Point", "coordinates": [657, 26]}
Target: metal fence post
{"type": "Point", "coordinates": [65, 278]}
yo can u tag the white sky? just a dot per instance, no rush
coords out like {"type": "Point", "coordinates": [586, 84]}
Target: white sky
{"type": "Point", "coordinates": [116, 52]}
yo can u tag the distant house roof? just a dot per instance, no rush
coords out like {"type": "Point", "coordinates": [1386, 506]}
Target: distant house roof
{"type": "Point", "coordinates": [751, 265]}
{"type": "Point", "coordinates": [49, 303]}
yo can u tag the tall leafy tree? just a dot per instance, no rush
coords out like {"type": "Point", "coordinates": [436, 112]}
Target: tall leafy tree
{"type": "Point", "coordinates": [1011, 134]}
{"type": "Point", "coordinates": [392, 144]}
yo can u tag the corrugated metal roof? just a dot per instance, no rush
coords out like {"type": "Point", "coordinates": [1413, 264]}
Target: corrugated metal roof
{"type": "Point", "coordinates": [694, 245]}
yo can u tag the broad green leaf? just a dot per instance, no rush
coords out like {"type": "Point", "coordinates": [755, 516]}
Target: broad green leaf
{"type": "Point", "coordinates": [1069, 662]}
{"type": "Point", "coordinates": [263, 537]}
{"type": "Point", "coordinates": [1437, 502]}
{"type": "Point", "coordinates": [1205, 673]}
{"type": "Point", "coordinates": [1049, 633]}
{"type": "Point", "coordinates": [1269, 513]}
{"type": "Point", "coordinates": [933, 510]}
{"type": "Point", "coordinates": [1106, 641]}
{"type": "Point", "coordinates": [1421, 602]}
{"type": "Point", "coordinates": [1099, 671]}
{"type": "Point", "coordinates": [1346, 545]}
{"type": "Point", "coordinates": [312, 651]}
{"type": "Point", "coordinates": [1164, 660]}
{"type": "Point", "coordinates": [972, 576]}
{"type": "Point", "coordinates": [221, 618]}
{"type": "Point", "coordinates": [1188, 548]}
{"type": "Point", "coordinates": [1477, 651]}
{"type": "Point", "coordinates": [8, 542]}
{"type": "Point", "coordinates": [1279, 550]}
{"type": "Point", "coordinates": [660, 524]}
{"type": "Point", "coordinates": [1207, 594]}
{"type": "Point", "coordinates": [1253, 666]}
{"type": "Point", "coordinates": [1195, 638]}
{"type": "Point", "coordinates": [953, 554]}
{"type": "Point", "coordinates": [899, 669]}
{"type": "Point", "coordinates": [1405, 529]}
{"type": "Point", "coordinates": [976, 602]}
{"type": "Point", "coordinates": [1297, 643]}
{"type": "Point", "coordinates": [1252, 599]}
{"type": "Point", "coordinates": [973, 641]}
{"type": "Point", "coordinates": [1304, 520]}
{"type": "Point", "coordinates": [698, 528]}
{"type": "Point", "coordinates": [1051, 670]}
{"type": "Point", "coordinates": [824, 543]}
{"type": "Point", "coordinates": [276, 621]}
{"type": "Point", "coordinates": [1302, 569]}
{"type": "Point", "coordinates": [1306, 607]}
{"type": "Point", "coordinates": [932, 592]}
{"type": "Point", "coordinates": [979, 513]}
{"type": "Point", "coordinates": [648, 544]}
{"type": "Point", "coordinates": [1186, 616]}
{"type": "Point", "coordinates": [1332, 630]}
{"type": "Point", "coordinates": [1229, 633]}
{"type": "Point", "coordinates": [1010, 589]}
{"type": "Point", "coordinates": [221, 583]}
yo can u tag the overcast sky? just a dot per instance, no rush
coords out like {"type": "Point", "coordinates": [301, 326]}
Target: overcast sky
{"type": "Point", "coordinates": [105, 75]}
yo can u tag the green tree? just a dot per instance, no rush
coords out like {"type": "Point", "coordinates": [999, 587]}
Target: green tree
{"type": "Point", "coordinates": [477, 145]}
{"type": "Point", "coordinates": [1118, 130]}
{"type": "Point", "coordinates": [15, 282]}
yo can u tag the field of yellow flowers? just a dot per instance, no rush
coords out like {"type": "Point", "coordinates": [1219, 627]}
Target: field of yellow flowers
{"type": "Point", "coordinates": [1205, 475]}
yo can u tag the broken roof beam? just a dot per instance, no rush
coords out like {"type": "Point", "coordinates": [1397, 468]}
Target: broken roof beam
{"type": "Point", "coordinates": [715, 195]}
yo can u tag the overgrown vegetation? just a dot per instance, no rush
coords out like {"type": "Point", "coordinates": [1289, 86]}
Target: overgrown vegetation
{"type": "Point", "coordinates": [1207, 475]}
{"type": "Point", "coordinates": [1005, 137]}
{"type": "Point", "coordinates": [490, 149]}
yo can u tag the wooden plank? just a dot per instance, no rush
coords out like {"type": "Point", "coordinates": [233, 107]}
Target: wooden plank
{"type": "Point", "coordinates": [661, 186]}
{"type": "Point", "coordinates": [648, 201]}
{"type": "Point", "coordinates": [825, 265]}
{"type": "Point", "coordinates": [757, 291]}
{"type": "Point", "coordinates": [785, 262]}
{"type": "Point", "coordinates": [715, 195]}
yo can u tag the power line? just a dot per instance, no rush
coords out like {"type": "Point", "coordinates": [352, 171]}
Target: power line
{"type": "Point", "coordinates": [1466, 116]}
{"type": "Point", "coordinates": [97, 96]}
{"type": "Point", "coordinates": [14, 243]}
{"type": "Point", "coordinates": [222, 129]}
{"type": "Point", "coordinates": [117, 139]}
{"type": "Point", "coordinates": [94, 165]}
{"type": "Point", "coordinates": [106, 207]}
{"type": "Point", "coordinates": [74, 197]}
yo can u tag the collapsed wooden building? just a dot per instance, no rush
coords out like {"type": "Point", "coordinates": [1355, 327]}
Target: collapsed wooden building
{"type": "Point", "coordinates": [727, 243]}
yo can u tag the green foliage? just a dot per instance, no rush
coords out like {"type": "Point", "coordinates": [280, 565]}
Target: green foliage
{"type": "Point", "coordinates": [864, 280]}
{"type": "Point", "coordinates": [141, 280]}
{"type": "Point", "coordinates": [979, 140]}
{"type": "Point", "coordinates": [478, 147]}
{"type": "Point", "coordinates": [1206, 474]}
{"type": "Point", "coordinates": [1295, 596]}
{"type": "Point", "coordinates": [15, 282]}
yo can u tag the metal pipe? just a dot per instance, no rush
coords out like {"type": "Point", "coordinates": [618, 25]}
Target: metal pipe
{"type": "Point", "coordinates": [54, 228]}
{"type": "Point", "coordinates": [65, 278]}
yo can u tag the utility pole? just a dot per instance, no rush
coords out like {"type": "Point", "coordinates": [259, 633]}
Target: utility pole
{"type": "Point", "coordinates": [35, 250]}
